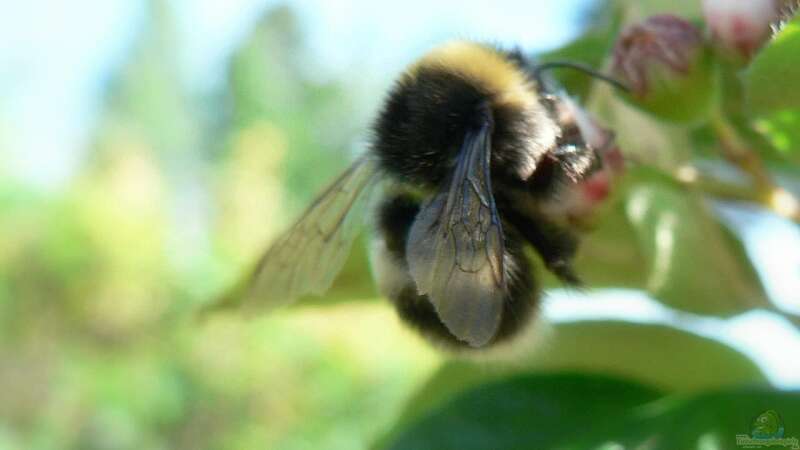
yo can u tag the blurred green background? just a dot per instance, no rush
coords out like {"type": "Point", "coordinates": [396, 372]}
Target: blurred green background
{"type": "Point", "coordinates": [150, 151]}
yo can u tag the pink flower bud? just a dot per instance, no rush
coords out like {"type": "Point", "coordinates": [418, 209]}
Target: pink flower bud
{"type": "Point", "coordinates": [665, 63]}
{"type": "Point", "coordinates": [741, 27]}
{"type": "Point", "coordinates": [665, 44]}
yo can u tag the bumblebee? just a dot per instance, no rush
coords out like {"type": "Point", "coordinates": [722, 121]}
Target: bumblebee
{"type": "Point", "coordinates": [469, 145]}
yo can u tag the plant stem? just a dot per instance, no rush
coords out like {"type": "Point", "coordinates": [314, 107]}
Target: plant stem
{"type": "Point", "coordinates": [716, 188]}
{"type": "Point", "coordinates": [737, 151]}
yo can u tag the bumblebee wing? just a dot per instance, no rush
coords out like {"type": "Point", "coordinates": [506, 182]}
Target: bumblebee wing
{"type": "Point", "coordinates": [307, 258]}
{"type": "Point", "coordinates": [455, 246]}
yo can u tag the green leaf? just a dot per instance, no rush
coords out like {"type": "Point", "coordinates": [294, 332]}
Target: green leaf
{"type": "Point", "coordinates": [618, 348]}
{"type": "Point", "coordinates": [771, 79]}
{"type": "Point", "coordinates": [568, 411]}
{"type": "Point", "coordinates": [694, 263]}
{"type": "Point", "coordinates": [782, 130]}
{"type": "Point", "coordinates": [611, 348]}
{"type": "Point", "coordinates": [771, 91]}
{"type": "Point", "coordinates": [640, 9]}
{"type": "Point", "coordinates": [608, 256]}
{"type": "Point", "coordinates": [525, 412]}
{"type": "Point", "coordinates": [705, 422]}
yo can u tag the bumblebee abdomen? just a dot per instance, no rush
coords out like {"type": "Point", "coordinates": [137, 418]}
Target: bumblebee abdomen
{"type": "Point", "coordinates": [396, 215]}
{"type": "Point", "coordinates": [426, 115]}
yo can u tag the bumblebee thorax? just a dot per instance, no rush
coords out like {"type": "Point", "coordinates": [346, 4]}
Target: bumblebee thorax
{"type": "Point", "coordinates": [425, 117]}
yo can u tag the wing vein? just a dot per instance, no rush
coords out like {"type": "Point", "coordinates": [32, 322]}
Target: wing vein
{"type": "Point", "coordinates": [455, 247]}
{"type": "Point", "coordinates": [307, 257]}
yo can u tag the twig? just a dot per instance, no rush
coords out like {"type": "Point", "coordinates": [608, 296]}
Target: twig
{"type": "Point", "coordinates": [736, 150]}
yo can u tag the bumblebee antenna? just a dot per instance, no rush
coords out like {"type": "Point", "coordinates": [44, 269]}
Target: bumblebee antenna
{"type": "Point", "coordinates": [580, 68]}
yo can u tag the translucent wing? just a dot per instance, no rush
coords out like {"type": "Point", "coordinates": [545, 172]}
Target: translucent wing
{"type": "Point", "coordinates": [455, 247]}
{"type": "Point", "coordinates": [307, 258]}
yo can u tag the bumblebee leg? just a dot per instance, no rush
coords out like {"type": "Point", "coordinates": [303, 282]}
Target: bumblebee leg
{"type": "Point", "coordinates": [395, 216]}
{"type": "Point", "coordinates": [555, 244]}
{"type": "Point", "coordinates": [576, 161]}
{"type": "Point", "coordinates": [563, 167]}
{"type": "Point", "coordinates": [570, 162]}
